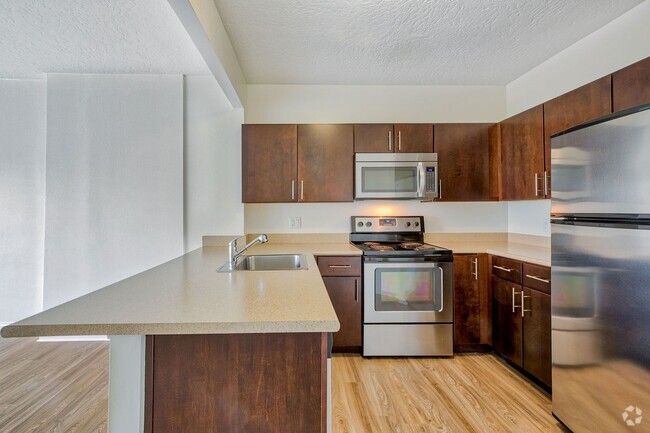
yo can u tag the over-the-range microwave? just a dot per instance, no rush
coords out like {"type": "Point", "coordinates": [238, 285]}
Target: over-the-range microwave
{"type": "Point", "coordinates": [396, 176]}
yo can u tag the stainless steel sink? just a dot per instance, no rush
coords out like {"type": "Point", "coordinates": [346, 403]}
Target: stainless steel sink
{"type": "Point", "coordinates": [269, 262]}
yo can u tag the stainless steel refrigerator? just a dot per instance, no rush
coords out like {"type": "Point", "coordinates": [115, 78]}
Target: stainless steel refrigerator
{"type": "Point", "coordinates": [600, 234]}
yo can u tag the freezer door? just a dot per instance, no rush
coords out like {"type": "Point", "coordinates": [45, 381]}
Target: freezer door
{"type": "Point", "coordinates": [603, 168]}
{"type": "Point", "coordinates": [600, 328]}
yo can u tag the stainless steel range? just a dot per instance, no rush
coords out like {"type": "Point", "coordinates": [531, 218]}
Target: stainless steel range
{"type": "Point", "coordinates": [408, 288]}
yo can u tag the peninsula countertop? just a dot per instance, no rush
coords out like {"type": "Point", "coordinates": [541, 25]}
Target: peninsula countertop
{"type": "Point", "coordinates": [188, 296]}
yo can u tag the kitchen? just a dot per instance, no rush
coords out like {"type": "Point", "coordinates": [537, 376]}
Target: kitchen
{"type": "Point", "coordinates": [209, 195]}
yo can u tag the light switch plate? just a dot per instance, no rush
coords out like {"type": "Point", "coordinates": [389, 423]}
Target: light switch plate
{"type": "Point", "coordinates": [295, 222]}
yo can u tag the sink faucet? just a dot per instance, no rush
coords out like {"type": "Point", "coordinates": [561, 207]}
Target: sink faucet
{"type": "Point", "coordinates": [233, 254]}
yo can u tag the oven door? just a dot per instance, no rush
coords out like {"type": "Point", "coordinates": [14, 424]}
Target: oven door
{"type": "Point", "coordinates": [408, 291]}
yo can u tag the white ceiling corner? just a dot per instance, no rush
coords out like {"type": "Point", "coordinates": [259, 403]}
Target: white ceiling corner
{"type": "Point", "coordinates": [94, 36]}
{"type": "Point", "coordinates": [416, 42]}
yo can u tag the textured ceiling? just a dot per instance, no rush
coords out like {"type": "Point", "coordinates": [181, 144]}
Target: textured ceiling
{"type": "Point", "coordinates": [481, 42]}
{"type": "Point", "coordinates": [94, 36]}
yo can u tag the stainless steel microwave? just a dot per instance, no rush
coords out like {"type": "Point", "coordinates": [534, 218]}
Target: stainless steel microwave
{"type": "Point", "coordinates": [396, 176]}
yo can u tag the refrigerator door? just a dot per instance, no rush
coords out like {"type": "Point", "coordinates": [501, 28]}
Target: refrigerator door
{"type": "Point", "coordinates": [603, 168]}
{"type": "Point", "coordinates": [600, 327]}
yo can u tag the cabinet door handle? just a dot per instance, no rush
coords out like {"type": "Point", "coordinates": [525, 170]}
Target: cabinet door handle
{"type": "Point", "coordinates": [546, 177]}
{"type": "Point", "coordinates": [340, 266]}
{"type": "Point", "coordinates": [523, 310]}
{"type": "Point", "coordinates": [538, 279]}
{"type": "Point", "coordinates": [502, 268]}
{"type": "Point", "coordinates": [514, 293]}
{"type": "Point", "coordinates": [475, 273]}
{"type": "Point", "coordinates": [390, 141]}
{"type": "Point", "coordinates": [302, 190]}
{"type": "Point", "coordinates": [293, 190]}
{"type": "Point", "coordinates": [440, 189]}
{"type": "Point", "coordinates": [356, 290]}
{"type": "Point", "coordinates": [536, 185]}
{"type": "Point", "coordinates": [399, 140]}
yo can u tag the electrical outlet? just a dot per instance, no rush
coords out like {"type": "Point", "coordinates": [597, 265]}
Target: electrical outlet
{"type": "Point", "coordinates": [295, 222]}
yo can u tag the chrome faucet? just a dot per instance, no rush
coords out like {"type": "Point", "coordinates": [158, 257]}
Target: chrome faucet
{"type": "Point", "coordinates": [233, 254]}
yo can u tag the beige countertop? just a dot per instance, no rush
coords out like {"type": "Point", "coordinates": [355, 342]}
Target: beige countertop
{"type": "Point", "coordinates": [188, 296]}
{"type": "Point", "coordinates": [538, 255]}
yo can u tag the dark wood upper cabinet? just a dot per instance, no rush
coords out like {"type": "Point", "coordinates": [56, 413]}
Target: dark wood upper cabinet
{"type": "Point", "coordinates": [522, 155]}
{"type": "Point", "coordinates": [413, 138]}
{"type": "Point", "coordinates": [585, 103]}
{"type": "Point", "coordinates": [325, 163]}
{"type": "Point", "coordinates": [269, 163]}
{"type": "Point", "coordinates": [373, 137]}
{"type": "Point", "coordinates": [631, 85]}
{"type": "Point", "coordinates": [386, 137]}
{"type": "Point", "coordinates": [464, 161]}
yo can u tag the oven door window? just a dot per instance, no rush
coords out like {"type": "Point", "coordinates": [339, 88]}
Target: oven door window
{"type": "Point", "coordinates": [408, 289]}
{"type": "Point", "coordinates": [389, 179]}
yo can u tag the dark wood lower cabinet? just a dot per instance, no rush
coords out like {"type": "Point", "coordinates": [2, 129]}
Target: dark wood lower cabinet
{"type": "Point", "coordinates": [537, 334]}
{"type": "Point", "coordinates": [245, 383]}
{"type": "Point", "coordinates": [345, 294]}
{"type": "Point", "coordinates": [472, 316]}
{"type": "Point", "coordinates": [506, 325]}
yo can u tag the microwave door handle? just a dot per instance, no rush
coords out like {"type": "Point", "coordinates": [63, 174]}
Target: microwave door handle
{"type": "Point", "coordinates": [421, 179]}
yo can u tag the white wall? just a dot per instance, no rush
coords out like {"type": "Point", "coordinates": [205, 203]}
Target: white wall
{"type": "Point", "coordinates": [529, 217]}
{"type": "Point", "coordinates": [114, 181]}
{"type": "Point", "coordinates": [374, 104]}
{"type": "Point", "coordinates": [335, 217]}
{"type": "Point", "coordinates": [22, 197]}
{"type": "Point", "coordinates": [212, 162]}
{"type": "Point", "coordinates": [610, 48]}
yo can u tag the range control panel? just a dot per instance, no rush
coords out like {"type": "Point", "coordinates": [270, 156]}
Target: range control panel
{"type": "Point", "coordinates": [365, 224]}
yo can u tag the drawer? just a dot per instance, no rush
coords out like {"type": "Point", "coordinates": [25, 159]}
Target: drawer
{"type": "Point", "coordinates": [507, 269]}
{"type": "Point", "coordinates": [339, 266]}
{"type": "Point", "coordinates": [537, 277]}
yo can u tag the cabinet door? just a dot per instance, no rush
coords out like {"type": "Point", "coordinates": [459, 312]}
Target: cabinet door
{"type": "Point", "coordinates": [325, 163]}
{"type": "Point", "coordinates": [522, 155]}
{"type": "Point", "coordinates": [269, 163]}
{"type": "Point", "coordinates": [414, 137]}
{"type": "Point", "coordinates": [373, 137]}
{"type": "Point", "coordinates": [537, 334]}
{"type": "Point", "coordinates": [463, 160]}
{"type": "Point", "coordinates": [345, 294]}
{"type": "Point", "coordinates": [506, 324]}
{"type": "Point", "coordinates": [467, 306]}
{"type": "Point", "coordinates": [631, 85]}
{"type": "Point", "coordinates": [585, 103]}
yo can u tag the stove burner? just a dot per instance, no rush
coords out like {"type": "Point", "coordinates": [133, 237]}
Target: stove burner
{"type": "Point", "coordinates": [411, 245]}
{"type": "Point", "coordinates": [381, 247]}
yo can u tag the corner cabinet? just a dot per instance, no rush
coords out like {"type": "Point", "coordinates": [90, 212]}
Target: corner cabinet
{"type": "Point", "coordinates": [342, 278]}
{"type": "Point", "coordinates": [522, 155]}
{"type": "Point", "coordinates": [472, 303]}
{"type": "Point", "coordinates": [521, 316]}
{"type": "Point", "coordinates": [386, 137]}
{"type": "Point", "coordinates": [464, 161]}
{"type": "Point", "coordinates": [297, 163]}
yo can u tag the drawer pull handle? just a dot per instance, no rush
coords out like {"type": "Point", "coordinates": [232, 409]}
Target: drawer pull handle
{"type": "Point", "coordinates": [542, 280]}
{"type": "Point", "coordinates": [503, 269]}
{"type": "Point", "coordinates": [340, 266]}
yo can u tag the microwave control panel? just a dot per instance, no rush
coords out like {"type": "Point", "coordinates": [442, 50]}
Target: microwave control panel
{"type": "Point", "coordinates": [430, 179]}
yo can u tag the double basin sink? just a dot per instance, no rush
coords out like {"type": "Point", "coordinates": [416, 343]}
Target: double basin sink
{"type": "Point", "coordinates": [268, 262]}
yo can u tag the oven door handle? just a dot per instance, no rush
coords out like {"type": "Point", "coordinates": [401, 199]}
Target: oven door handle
{"type": "Point", "coordinates": [442, 290]}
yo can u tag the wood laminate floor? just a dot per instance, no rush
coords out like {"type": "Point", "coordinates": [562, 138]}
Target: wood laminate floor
{"type": "Point", "coordinates": [63, 387]}
{"type": "Point", "coordinates": [53, 387]}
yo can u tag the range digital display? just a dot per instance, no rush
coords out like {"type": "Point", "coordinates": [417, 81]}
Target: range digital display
{"type": "Point", "coordinates": [388, 222]}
